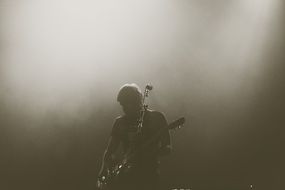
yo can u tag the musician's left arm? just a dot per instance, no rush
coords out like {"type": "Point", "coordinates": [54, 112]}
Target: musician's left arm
{"type": "Point", "coordinates": [165, 146]}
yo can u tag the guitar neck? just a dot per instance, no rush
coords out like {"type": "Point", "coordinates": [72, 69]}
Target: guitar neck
{"type": "Point", "coordinates": [156, 137]}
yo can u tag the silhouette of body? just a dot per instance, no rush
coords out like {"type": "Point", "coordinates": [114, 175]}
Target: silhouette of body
{"type": "Point", "coordinates": [144, 174]}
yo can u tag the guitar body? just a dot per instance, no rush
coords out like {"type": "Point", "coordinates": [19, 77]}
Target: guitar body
{"type": "Point", "coordinates": [116, 176]}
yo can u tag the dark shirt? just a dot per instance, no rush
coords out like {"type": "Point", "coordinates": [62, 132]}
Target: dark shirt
{"type": "Point", "coordinates": [125, 130]}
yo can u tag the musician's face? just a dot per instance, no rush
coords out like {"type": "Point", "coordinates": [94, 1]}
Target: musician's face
{"type": "Point", "coordinates": [131, 109]}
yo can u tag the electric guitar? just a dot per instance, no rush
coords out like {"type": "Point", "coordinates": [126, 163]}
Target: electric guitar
{"type": "Point", "coordinates": [115, 173]}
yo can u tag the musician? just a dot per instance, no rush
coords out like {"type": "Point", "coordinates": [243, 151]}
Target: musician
{"type": "Point", "coordinates": [145, 165]}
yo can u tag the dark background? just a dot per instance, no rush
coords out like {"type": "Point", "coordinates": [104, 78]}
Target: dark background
{"type": "Point", "coordinates": [218, 63]}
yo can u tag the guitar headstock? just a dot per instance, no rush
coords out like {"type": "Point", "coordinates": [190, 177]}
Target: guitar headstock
{"type": "Point", "coordinates": [177, 123]}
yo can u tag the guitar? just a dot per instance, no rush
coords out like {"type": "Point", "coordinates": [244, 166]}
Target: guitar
{"type": "Point", "coordinates": [115, 173]}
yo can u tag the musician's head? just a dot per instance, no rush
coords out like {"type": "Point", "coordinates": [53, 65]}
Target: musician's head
{"type": "Point", "coordinates": [130, 98]}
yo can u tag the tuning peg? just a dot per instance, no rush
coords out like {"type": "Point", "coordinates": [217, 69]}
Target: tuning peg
{"type": "Point", "coordinates": [149, 87]}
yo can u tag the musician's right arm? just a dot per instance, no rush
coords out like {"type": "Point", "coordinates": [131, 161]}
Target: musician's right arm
{"type": "Point", "coordinates": [113, 144]}
{"type": "Point", "coordinates": [107, 157]}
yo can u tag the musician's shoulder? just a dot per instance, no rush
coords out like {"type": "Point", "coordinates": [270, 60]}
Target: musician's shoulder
{"type": "Point", "coordinates": [118, 125]}
{"type": "Point", "coordinates": [120, 119]}
{"type": "Point", "coordinates": [156, 114]}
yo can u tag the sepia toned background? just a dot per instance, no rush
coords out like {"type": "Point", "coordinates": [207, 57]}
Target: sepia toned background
{"type": "Point", "coordinates": [218, 63]}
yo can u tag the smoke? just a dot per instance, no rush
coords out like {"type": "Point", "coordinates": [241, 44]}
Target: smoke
{"type": "Point", "coordinates": [62, 63]}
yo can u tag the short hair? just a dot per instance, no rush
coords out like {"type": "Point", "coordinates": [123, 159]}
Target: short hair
{"type": "Point", "coordinates": [130, 93]}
